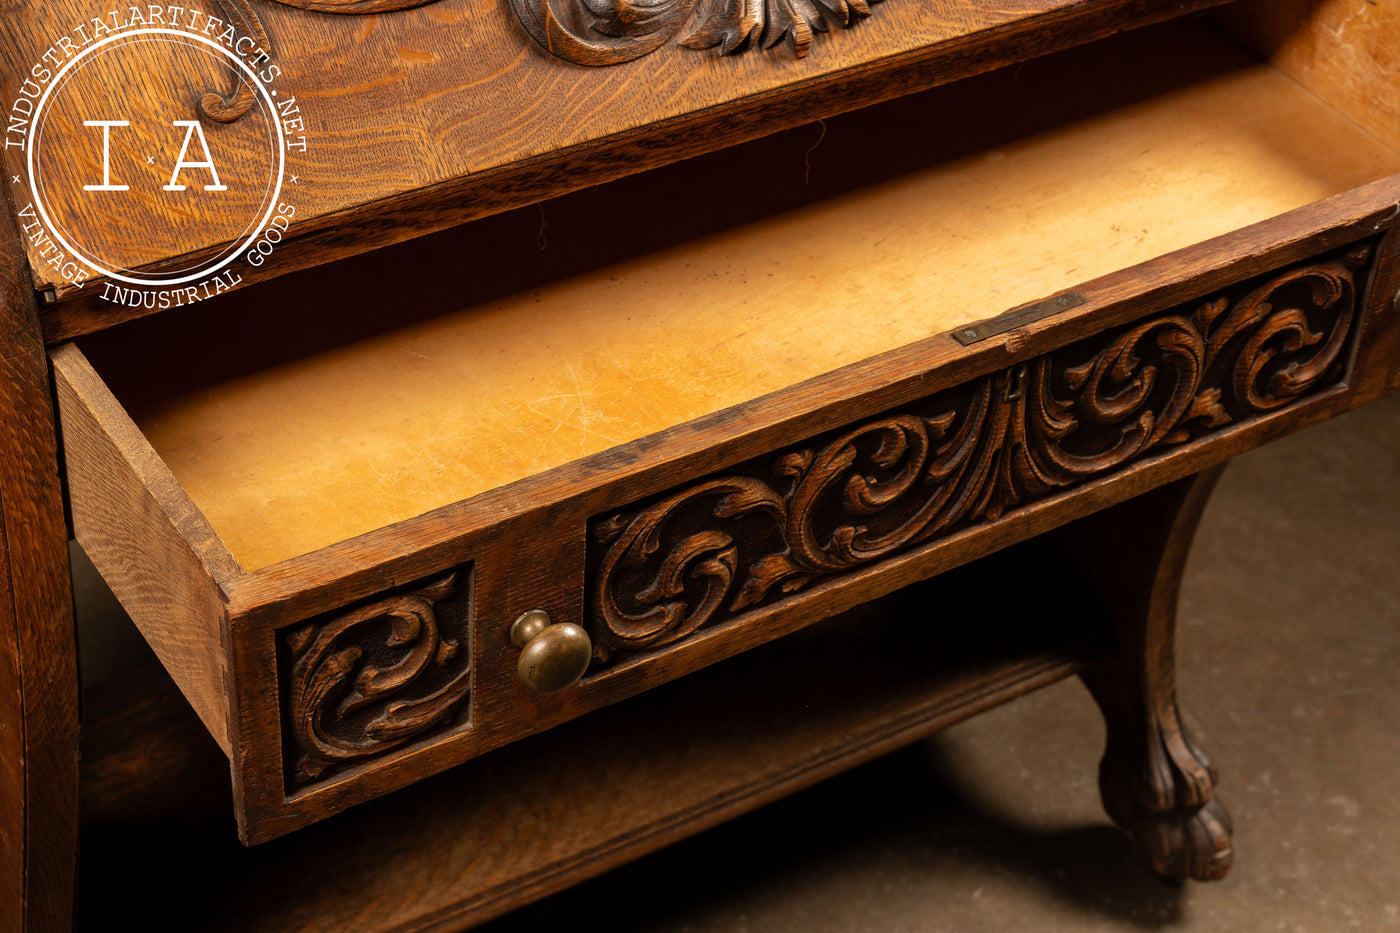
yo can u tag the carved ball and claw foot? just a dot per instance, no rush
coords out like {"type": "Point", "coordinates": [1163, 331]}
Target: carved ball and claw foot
{"type": "Point", "coordinates": [1158, 786]}
{"type": "Point", "coordinates": [1156, 782]}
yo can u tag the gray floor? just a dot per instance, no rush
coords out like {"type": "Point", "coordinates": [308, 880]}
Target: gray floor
{"type": "Point", "coordinates": [1288, 647]}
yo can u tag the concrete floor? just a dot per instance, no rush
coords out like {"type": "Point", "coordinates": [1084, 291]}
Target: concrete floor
{"type": "Point", "coordinates": [1288, 646]}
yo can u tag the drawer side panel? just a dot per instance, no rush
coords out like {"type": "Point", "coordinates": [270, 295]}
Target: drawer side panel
{"type": "Point", "coordinates": [1344, 52]}
{"type": "Point", "coordinates": [129, 514]}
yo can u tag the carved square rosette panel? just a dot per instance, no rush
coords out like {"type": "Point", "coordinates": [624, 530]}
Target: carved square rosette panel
{"type": "Point", "coordinates": [772, 526]}
{"type": "Point", "coordinates": [360, 683]}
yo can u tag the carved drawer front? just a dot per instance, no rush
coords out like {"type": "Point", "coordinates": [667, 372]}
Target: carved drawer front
{"type": "Point", "coordinates": [966, 459]}
{"type": "Point", "coordinates": [358, 685]}
{"type": "Point", "coordinates": [367, 665]}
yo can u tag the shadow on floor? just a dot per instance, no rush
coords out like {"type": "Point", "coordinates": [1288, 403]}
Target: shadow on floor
{"type": "Point", "coordinates": [904, 815]}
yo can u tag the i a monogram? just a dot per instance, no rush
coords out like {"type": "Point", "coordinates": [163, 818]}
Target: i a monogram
{"type": "Point", "coordinates": [192, 130]}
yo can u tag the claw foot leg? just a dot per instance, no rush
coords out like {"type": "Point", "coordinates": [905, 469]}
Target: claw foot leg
{"type": "Point", "coordinates": [1159, 786]}
{"type": "Point", "coordinates": [1156, 782]}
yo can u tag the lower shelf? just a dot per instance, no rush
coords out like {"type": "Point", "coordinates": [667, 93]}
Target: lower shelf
{"type": "Point", "coordinates": [158, 841]}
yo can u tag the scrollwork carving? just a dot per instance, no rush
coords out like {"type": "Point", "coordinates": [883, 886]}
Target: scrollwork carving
{"type": "Point", "coordinates": [597, 32]}
{"type": "Point", "coordinates": [659, 613]}
{"type": "Point", "coordinates": [968, 455]}
{"type": "Point", "coordinates": [609, 32]}
{"type": "Point", "coordinates": [372, 679]}
{"type": "Point", "coordinates": [226, 108]}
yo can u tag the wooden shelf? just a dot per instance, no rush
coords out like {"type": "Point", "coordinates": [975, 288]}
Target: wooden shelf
{"type": "Point", "coordinates": [571, 803]}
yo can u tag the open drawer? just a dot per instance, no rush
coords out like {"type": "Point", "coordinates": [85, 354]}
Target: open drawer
{"type": "Point", "coordinates": [680, 438]}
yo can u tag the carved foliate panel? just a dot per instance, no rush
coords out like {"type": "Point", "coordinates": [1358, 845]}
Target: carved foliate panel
{"type": "Point", "coordinates": [777, 524]}
{"type": "Point", "coordinates": [360, 683]}
{"type": "Point", "coordinates": [609, 32]}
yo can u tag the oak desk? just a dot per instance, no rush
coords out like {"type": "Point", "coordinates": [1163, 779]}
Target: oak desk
{"type": "Point", "coordinates": [537, 358]}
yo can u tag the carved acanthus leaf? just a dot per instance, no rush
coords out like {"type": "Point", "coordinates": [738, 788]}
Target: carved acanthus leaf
{"type": "Point", "coordinates": [373, 678]}
{"type": "Point", "coordinates": [609, 32]}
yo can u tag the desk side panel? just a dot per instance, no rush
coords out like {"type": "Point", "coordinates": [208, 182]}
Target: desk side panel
{"type": "Point", "coordinates": [147, 539]}
{"type": "Point", "coordinates": [38, 651]}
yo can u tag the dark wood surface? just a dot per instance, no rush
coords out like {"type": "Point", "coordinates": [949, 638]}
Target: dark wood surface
{"type": "Point", "coordinates": [1155, 780]}
{"type": "Point", "coordinates": [1377, 372]}
{"type": "Point", "coordinates": [38, 655]}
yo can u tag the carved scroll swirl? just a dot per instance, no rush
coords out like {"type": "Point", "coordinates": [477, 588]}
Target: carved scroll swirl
{"type": "Point", "coordinates": [708, 559]}
{"type": "Point", "coordinates": [372, 679]}
{"type": "Point", "coordinates": [226, 108]}
{"type": "Point", "coordinates": [969, 454]}
{"type": "Point", "coordinates": [609, 32]}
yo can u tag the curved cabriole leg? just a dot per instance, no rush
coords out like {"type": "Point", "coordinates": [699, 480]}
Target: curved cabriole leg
{"type": "Point", "coordinates": [1156, 782]}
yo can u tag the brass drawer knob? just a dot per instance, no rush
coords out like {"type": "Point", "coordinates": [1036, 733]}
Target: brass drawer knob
{"type": "Point", "coordinates": [553, 656]}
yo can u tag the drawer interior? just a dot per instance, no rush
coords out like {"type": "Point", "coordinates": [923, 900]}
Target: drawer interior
{"type": "Point", "coordinates": [329, 403]}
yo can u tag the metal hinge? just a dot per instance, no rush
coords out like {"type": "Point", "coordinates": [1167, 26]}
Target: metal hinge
{"type": "Point", "coordinates": [1018, 317]}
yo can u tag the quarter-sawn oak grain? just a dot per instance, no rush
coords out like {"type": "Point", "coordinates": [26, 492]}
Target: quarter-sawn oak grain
{"type": "Point", "coordinates": [458, 114]}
